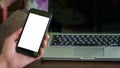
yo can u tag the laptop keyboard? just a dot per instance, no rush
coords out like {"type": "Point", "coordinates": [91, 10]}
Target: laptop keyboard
{"type": "Point", "coordinates": [85, 40]}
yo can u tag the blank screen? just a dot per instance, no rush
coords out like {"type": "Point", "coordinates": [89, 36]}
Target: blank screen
{"type": "Point", "coordinates": [33, 32]}
{"type": "Point", "coordinates": [85, 16]}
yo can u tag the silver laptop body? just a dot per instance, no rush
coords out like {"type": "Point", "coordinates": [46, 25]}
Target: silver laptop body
{"type": "Point", "coordinates": [82, 52]}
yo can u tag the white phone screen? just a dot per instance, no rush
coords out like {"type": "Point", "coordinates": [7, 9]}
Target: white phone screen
{"type": "Point", "coordinates": [33, 32]}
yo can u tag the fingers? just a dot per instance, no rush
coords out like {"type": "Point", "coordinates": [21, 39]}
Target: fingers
{"type": "Point", "coordinates": [46, 37]}
{"type": "Point", "coordinates": [40, 54]}
{"type": "Point", "coordinates": [41, 51]}
{"type": "Point", "coordinates": [45, 41]}
{"type": "Point", "coordinates": [44, 44]}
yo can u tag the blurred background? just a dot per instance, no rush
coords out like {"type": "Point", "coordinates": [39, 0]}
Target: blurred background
{"type": "Point", "coordinates": [7, 7]}
{"type": "Point", "coordinates": [71, 16]}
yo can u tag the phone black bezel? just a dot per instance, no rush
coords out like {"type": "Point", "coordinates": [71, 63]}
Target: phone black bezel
{"type": "Point", "coordinates": [26, 51]}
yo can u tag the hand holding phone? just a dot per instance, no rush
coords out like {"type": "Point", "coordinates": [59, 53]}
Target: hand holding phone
{"type": "Point", "coordinates": [33, 32]}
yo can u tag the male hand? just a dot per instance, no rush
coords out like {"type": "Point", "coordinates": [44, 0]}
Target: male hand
{"type": "Point", "coordinates": [11, 58]}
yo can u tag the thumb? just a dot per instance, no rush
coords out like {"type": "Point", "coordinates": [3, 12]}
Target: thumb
{"type": "Point", "coordinates": [16, 34]}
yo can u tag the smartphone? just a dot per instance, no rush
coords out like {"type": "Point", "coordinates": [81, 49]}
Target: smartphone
{"type": "Point", "coordinates": [33, 32]}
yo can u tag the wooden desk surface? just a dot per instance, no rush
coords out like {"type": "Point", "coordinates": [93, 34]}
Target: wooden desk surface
{"type": "Point", "coordinates": [17, 19]}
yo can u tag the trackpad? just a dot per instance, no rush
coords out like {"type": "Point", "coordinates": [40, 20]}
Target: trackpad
{"type": "Point", "coordinates": [88, 52]}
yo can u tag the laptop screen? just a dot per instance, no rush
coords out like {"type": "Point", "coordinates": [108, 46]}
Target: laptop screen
{"type": "Point", "coordinates": [85, 16]}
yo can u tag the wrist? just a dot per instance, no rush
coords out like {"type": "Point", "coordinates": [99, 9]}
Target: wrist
{"type": "Point", "coordinates": [3, 62]}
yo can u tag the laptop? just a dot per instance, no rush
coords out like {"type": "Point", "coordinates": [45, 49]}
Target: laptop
{"type": "Point", "coordinates": [84, 30]}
